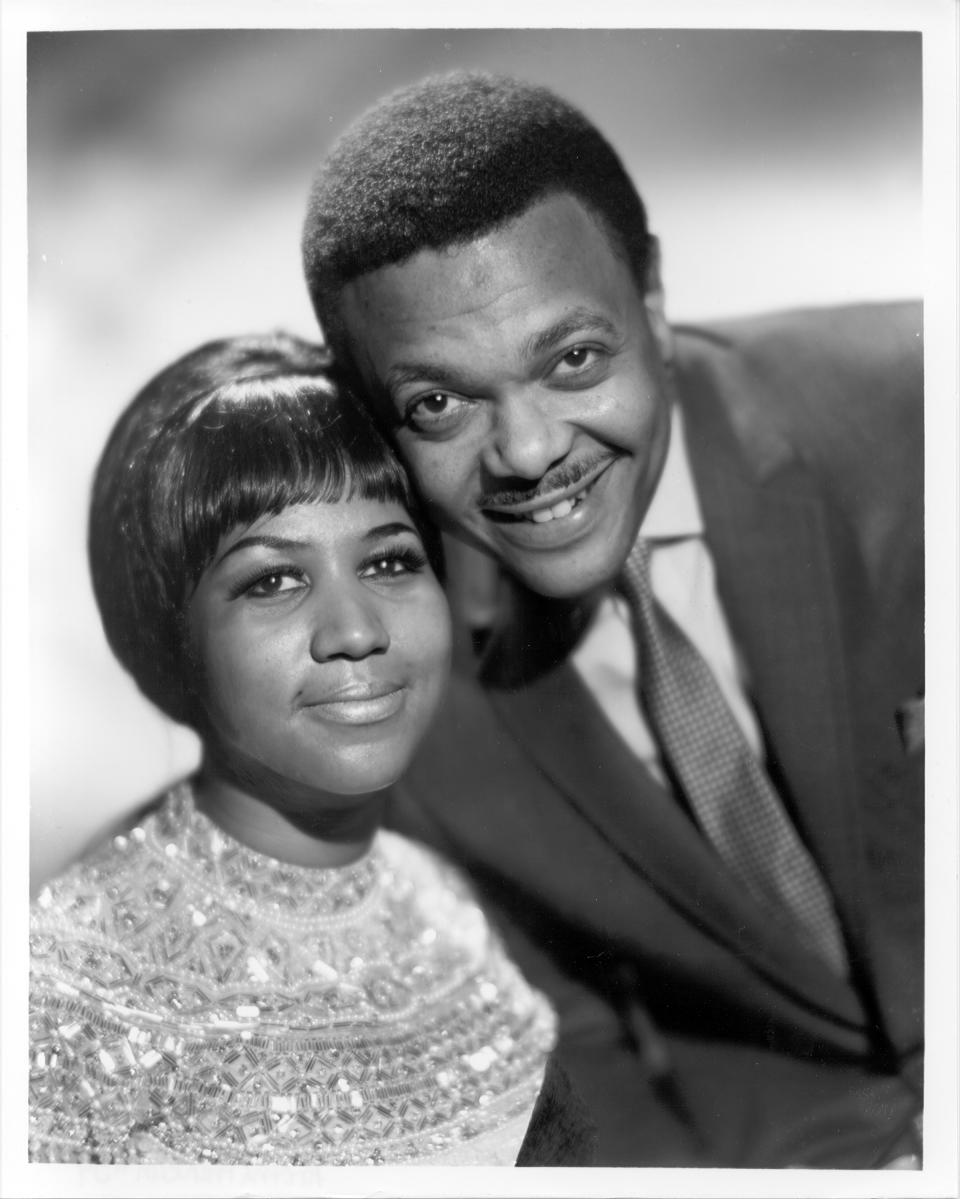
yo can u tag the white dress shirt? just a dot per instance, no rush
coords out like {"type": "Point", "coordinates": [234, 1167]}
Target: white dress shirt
{"type": "Point", "coordinates": [684, 581]}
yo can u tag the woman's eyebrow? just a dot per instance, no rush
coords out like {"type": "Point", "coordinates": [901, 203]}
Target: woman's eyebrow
{"type": "Point", "coordinates": [262, 539]}
{"type": "Point", "coordinates": [389, 530]}
{"type": "Point", "coordinates": [580, 320]}
{"type": "Point", "coordinates": [271, 542]}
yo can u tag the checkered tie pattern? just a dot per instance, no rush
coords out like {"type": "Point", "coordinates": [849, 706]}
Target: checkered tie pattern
{"type": "Point", "coordinates": [733, 801]}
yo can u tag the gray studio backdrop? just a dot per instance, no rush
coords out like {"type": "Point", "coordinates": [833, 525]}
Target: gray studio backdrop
{"type": "Point", "coordinates": [167, 176]}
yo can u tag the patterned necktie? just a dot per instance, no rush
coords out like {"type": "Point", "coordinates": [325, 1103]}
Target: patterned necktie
{"type": "Point", "coordinates": [732, 799]}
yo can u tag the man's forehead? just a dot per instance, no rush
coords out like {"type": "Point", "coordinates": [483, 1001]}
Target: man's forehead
{"type": "Point", "coordinates": [553, 251]}
{"type": "Point", "coordinates": [549, 223]}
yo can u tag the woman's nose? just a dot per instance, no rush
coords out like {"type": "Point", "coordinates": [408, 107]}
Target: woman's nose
{"type": "Point", "coordinates": [347, 623]}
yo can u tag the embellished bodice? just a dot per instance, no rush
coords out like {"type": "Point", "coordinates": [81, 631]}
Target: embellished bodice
{"type": "Point", "coordinates": [193, 1000]}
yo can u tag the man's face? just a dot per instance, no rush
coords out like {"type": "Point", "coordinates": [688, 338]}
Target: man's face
{"type": "Point", "coordinates": [524, 372]}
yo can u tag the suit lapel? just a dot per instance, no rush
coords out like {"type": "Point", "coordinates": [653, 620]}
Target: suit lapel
{"type": "Point", "coordinates": [770, 538]}
{"type": "Point", "coordinates": [563, 729]}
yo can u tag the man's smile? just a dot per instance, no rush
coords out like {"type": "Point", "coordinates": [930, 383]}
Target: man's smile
{"type": "Point", "coordinates": [555, 498]}
{"type": "Point", "coordinates": [556, 521]}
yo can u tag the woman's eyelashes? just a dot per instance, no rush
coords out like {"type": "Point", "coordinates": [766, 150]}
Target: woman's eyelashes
{"type": "Point", "coordinates": [270, 582]}
{"type": "Point", "coordinates": [384, 565]}
{"type": "Point", "coordinates": [394, 562]}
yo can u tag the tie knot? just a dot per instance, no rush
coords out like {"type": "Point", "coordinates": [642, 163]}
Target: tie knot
{"type": "Point", "coordinates": [634, 580]}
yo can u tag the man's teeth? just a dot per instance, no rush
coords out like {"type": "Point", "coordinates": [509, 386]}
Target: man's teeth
{"type": "Point", "coordinates": [540, 516]}
{"type": "Point", "coordinates": [564, 508]}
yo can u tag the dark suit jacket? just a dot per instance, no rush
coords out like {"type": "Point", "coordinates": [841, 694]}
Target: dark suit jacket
{"type": "Point", "coordinates": [561, 1131]}
{"type": "Point", "coordinates": [696, 1032]}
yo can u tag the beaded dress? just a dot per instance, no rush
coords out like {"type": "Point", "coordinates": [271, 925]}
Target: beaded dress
{"type": "Point", "coordinates": [195, 1001]}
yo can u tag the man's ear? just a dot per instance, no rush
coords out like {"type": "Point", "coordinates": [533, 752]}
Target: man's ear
{"type": "Point", "coordinates": [654, 302]}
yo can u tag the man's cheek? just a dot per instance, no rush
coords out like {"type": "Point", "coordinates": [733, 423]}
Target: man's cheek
{"type": "Point", "coordinates": [438, 479]}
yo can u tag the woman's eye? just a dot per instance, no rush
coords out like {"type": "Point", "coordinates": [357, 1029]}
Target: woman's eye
{"type": "Point", "coordinates": [276, 583]}
{"type": "Point", "coordinates": [392, 566]}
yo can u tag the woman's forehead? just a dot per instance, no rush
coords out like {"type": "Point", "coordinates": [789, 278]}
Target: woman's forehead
{"type": "Point", "coordinates": [319, 523]}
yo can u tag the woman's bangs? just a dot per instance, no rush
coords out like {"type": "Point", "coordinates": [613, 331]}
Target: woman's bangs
{"type": "Point", "coordinates": [245, 463]}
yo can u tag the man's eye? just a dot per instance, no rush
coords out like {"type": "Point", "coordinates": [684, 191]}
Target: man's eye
{"type": "Point", "coordinates": [435, 409]}
{"type": "Point", "coordinates": [434, 405]}
{"type": "Point", "coordinates": [276, 583]}
{"type": "Point", "coordinates": [578, 357]}
{"type": "Point", "coordinates": [579, 367]}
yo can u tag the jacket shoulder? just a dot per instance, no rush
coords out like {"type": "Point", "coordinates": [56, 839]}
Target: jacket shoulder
{"type": "Point", "coordinates": [841, 388]}
{"type": "Point", "coordinates": [831, 379]}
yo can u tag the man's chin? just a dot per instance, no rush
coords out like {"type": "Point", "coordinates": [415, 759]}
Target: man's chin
{"type": "Point", "coordinates": [565, 581]}
{"type": "Point", "coordinates": [567, 573]}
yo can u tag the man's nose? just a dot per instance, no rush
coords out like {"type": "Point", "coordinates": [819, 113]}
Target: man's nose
{"type": "Point", "coordinates": [525, 438]}
{"type": "Point", "coordinates": [347, 623]}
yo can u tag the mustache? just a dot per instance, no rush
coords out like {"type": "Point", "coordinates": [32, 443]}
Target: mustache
{"type": "Point", "coordinates": [568, 474]}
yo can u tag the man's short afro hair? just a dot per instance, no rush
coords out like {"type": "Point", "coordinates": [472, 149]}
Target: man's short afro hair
{"type": "Point", "coordinates": [445, 161]}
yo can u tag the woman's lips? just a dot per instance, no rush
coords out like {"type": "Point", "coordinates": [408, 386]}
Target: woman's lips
{"type": "Point", "coordinates": [361, 705]}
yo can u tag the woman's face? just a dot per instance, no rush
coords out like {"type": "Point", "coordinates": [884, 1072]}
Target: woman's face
{"type": "Point", "coordinates": [323, 640]}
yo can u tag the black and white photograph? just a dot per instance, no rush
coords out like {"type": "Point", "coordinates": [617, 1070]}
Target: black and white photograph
{"type": "Point", "coordinates": [479, 513]}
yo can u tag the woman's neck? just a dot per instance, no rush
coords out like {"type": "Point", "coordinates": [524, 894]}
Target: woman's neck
{"type": "Point", "coordinates": [335, 833]}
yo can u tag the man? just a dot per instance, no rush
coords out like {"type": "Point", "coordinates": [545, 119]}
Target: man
{"type": "Point", "coordinates": [686, 771]}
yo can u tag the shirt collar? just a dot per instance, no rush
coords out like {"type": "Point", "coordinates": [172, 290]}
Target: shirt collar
{"type": "Point", "coordinates": [674, 510]}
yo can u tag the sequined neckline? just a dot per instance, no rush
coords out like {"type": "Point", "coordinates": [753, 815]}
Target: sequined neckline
{"type": "Point", "coordinates": [196, 1001]}
{"type": "Point", "coordinates": [249, 880]}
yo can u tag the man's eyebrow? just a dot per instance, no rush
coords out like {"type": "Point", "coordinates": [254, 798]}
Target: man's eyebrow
{"type": "Point", "coordinates": [421, 372]}
{"type": "Point", "coordinates": [579, 320]}
{"type": "Point", "coordinates": [438, 374]}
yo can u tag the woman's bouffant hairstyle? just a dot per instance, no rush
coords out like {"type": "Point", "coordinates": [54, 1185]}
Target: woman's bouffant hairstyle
{"type": "Point", "coordinates": [446, 161]}
{"type": "Point", "coordinates": [235, 430]}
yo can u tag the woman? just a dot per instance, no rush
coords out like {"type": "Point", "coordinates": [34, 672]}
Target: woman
{"type": "Point", "coordinates": [255, 973]}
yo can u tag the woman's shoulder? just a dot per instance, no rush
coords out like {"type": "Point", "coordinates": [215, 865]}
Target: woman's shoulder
{"type": "Point", "coordinates": [422, 864]}
{"type": "Point", "coordinates": [438, 906]}
{"type": "Point", "coordinates": [446, 935]}
{"type": "Point", "coordinates": [85, 893]}
{"type": "Point", "coordinates": [97, 927]}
